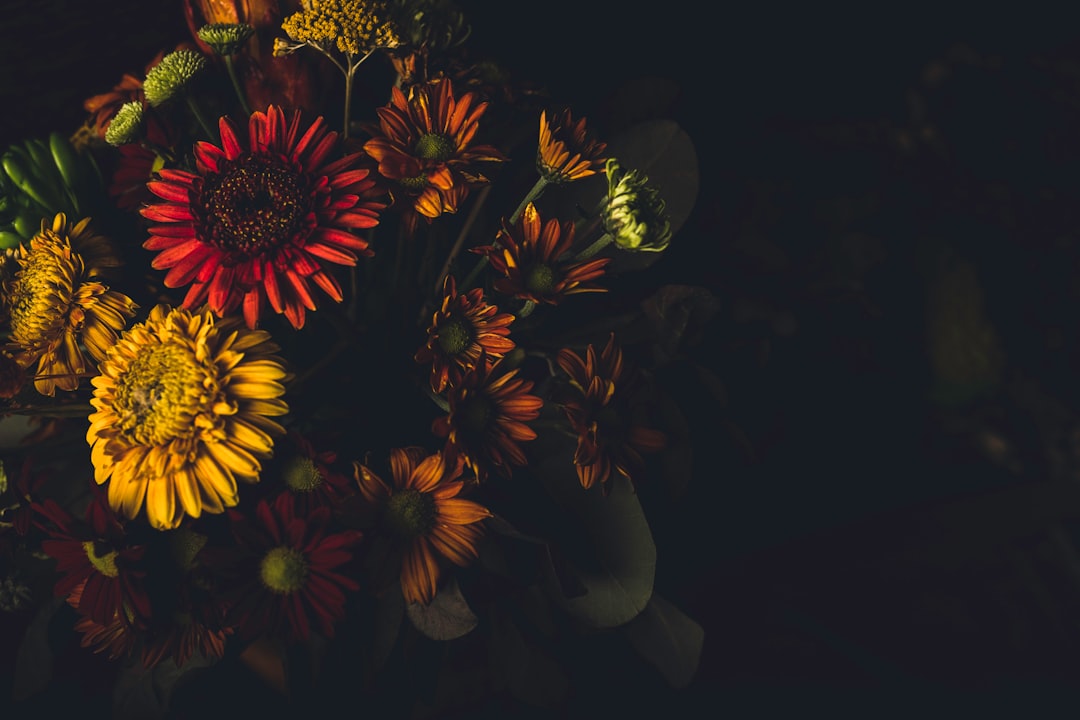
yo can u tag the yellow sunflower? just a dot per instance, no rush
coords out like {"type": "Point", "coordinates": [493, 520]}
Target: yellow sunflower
{"type": "Point", "coordinates": [183, 406]}
{"type": "Point", "coordinates": [57, 306]}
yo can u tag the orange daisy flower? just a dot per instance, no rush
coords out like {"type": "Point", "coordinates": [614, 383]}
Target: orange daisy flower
{"type": "Point", "coordinates": [567, 150]}
{"type": "Point", "coordinates": [424, 145]}
{"type": "Point", "coordinates": [423, 511]}
{"type": "Point", "coordinates": [532, 266]}
{"type": "Point", "coordinates": [462, 330]}
{"type": "Point", "coordinates": [602, 405]}
{"type": "Point", "coordinates": [488, 412]}
{"type": "Point", "coordinates": [262, 222]}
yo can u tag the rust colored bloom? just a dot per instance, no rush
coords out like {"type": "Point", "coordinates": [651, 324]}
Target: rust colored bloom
{"type": "Point", "coordinates": [100, 573]}
{"type": "Point", "coordinates": [291, 570]}
{"type": "Point", "coordinates": [488, 412]}
{"type": "Point", "coordinates": [567, 151]}
{"type": "Point", "coordinates": [310, 476]}
{"type": "Point", "coordinates": [424, 145]}
{"type": "Point", "coordinates": [423, 512]}
{"type": "Point", "coordinates": [462, 330]}
{"type": "Point", "coordinates": [115, 638]}
{"type": "Point", "coordinates": [602, 406]}
{"type": "Point", "coordinates": [263, 222]}
{"type": "Point", "coordinates": [58, 308]}
{"type": "Point", "coordinates": [530, 257]}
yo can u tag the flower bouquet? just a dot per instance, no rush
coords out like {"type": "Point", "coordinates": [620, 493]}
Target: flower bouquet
{"type": "Point", "coordinates": [319, 368]}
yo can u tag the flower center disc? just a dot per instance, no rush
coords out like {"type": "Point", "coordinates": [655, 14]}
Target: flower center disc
{"type": "Point", "coordinates": [302, 475]}
{"type": "Point", "coordinates": [257, 204]}
{"type": "Point", "coordinates": [38, 300]}
{"type": "Point", "coordinates": [540, 279]}
{"type": "Point", "coordinates": [454, 337]}
{"type": "Point", "coordinates": [161, 393]}
{"type": "Point", "coordinates": [433, 146]}
{"type": "Point", "coordinates": [474, 416]}
{"type": "Point", "coordinates": [410, 513]}
{"type": "Point", "coordinates": [283, 570]}
{"type": "Point", "coordinates": [102, 557]}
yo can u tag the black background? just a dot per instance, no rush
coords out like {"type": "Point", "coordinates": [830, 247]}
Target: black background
{"type": "Point", "coordinates": [863, 551]}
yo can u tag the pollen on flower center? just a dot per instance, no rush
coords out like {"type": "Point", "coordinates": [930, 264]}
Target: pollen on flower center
{"type": "Point", "coordinates": [414, 183]}
{"type": "Point", "coordinates": [302, 475]}
{"type": "Point", "coordinates": [34, 308]}
{"type": "Point", "coordinates": [102, 557]}
{"type": "Point", "coordinates": [410, 513]}
{"type": "Point", "coordinates": [256, 204]}
{"type": "Point", "coordinates": [160, 394]}
{"type": "Point", "coordinates": [454, 337]}
{"type": "Point", "coordinates": [433, 146]}
{"type": "Point", "coordinates": [540, 279]}
{"type": "Point", "coordinates": [283, 570]}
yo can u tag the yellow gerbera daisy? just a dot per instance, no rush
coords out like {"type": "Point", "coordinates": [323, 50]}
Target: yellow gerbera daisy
{"type": "Point", "coordinates": [56, 304]}
{"type": "Point", "coordinates": [183, 406]}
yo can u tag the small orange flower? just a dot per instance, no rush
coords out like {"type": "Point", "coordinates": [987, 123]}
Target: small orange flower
{"type": "Point", "coordinates": [424, 145]}
{"type": "Point", "coordinates": [423, 511]}
{"type": "Point", "coordinates": [567, 150]}
{"type": "Point", "coordinates": [464, 328]}
{"type": "Point", "coordinates": [532, 267]}
{"type": "Point", "coordinates": [601, 405]}
{"type": "Point", "coordinates": [488, 412]}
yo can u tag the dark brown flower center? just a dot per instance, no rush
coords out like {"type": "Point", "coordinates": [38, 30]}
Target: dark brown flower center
{"type": "Point", "coordinates": [256, 204]}
{"type": "Point", "coordinates": [473, 416]}
{"type": "Point", "coordinates": [410, 514]}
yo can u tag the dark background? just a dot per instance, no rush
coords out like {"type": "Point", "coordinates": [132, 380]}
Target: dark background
{"type": "Point", "coordinates": [883, 507]}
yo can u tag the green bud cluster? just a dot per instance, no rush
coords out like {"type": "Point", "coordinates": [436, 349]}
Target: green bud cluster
{"type": "Point", "coordinates": [126, 125]}
{"type": "Point", "coordinates": [226, 38]}
{"type": "Point", "coordinates": [169, 77]}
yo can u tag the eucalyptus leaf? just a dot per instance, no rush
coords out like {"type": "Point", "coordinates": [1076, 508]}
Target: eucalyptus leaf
{"type": "Point", "coordinates": [34, 658]}
{"type": "Point", "coordinates": [669, 640]}
{"type": "Point", "coordinates": [611, 553]}
{"type": "Point", "coordinates": [446, 618]}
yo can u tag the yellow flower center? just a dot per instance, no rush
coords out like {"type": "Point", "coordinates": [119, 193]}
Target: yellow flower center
{"type": "Point", "coordinates": [302, 475]}
{"type": "Point", "coordinates": [40, 295]}
{"type": "Point", "coordinates": [454, 336]}
{"type": "Point", "coordinates": [160, 394]}
{"type": "Point", "coordinates": [283, 570]}
{"type": "Point", "coordinates": [410, 514]}
{"type": "Point", "coordinates": [102, 557]}
{"type": "Point", "coordinates": [433, 146]}
{"type": "Point", "coordinates": [540, 279]}
{"type": "Point", "coordinates": [256, 204]}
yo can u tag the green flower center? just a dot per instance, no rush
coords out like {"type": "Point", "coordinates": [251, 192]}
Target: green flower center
{"type": "Point", "coordinates": [410, 514]}
{"type": "Point", "coordinates": [102, 557]}
{"type": "Point", "coordinates": [433, 146]}
{"type": "Point", "coordinates": [474, 415]}
{"type": "Point", "coordinates": [454, 336]}
{"type": "Point", "coordinates": [283, 570]}
{"type": "Point", "coordinates": [540, 279]}
{"type": "Point", "coordinates": [160, 393]}
{"type": "Point", "coordinates": [257, 204]}
{"type": "Point", "coordinates": [414, 184]}
{"type": "Point", "coordinates": [302, 475]}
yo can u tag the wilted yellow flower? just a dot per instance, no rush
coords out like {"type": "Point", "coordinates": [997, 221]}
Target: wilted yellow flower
{"type": "Point", "coordinates": [354, 27]}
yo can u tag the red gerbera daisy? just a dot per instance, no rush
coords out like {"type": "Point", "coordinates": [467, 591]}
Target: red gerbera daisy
{"type": "Point", "coordinates": [263, 222]}
{"type": "Point", "coordinates": [488, 412]}
{"type": "Point", "coordinates": [101, 577]}
{"type": "Point", "coordinates": [290, 571]}
{"type": "Point", "coordinates": [462, 330]}
{"type": "Point", "coordinates": [530, 258]}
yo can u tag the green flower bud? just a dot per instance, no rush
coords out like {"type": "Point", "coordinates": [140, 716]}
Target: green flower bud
{"type": "Point", "coordinates": [126, 125]}
{"type": "Point", "coordinates": [170, 76]}
{"type": "Point", "coordinates": [226, 38]}
{"type": "Point", "coordinates": [634, 214]}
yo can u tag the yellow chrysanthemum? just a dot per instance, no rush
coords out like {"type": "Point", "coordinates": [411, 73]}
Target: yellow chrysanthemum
{"type": "Point", "coordinates": [57, 308]}
{"type": "Point", "coordinates": [183, 406]}
{"type": "Point", "coordinates": [354, 27]}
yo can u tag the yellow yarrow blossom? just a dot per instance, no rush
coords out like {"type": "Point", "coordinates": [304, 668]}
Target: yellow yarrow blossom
{"type": "Point", "coordinates": [354, 27]}
{"type": "Point", "coordinates": [183, 409]}
{"type": "Point", "coordinates": [58, 309]}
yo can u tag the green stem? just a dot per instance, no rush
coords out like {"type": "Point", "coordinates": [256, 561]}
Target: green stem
{"type": "Point", "coordinates": [240, 94]}
{"type": "Point", "coordinates": [526, 309]}
{"type": "Point", "coordinates": [348, 100]}
{"type": "Point", "coordinates": [602, 242]}
{"type": "Point", "coordinates": [191, 103]}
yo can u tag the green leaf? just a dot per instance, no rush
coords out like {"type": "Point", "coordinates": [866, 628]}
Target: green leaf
{"type": "Point", "coordinates": [529, 673]}
{"type": "Point", "coordinates": [607, 545]}
{"type": "Point", "coordinates": [446, 618]}
{"type": "Point", "coordinates": [669, 640]}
